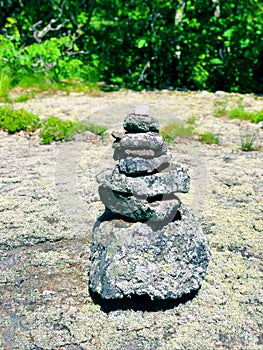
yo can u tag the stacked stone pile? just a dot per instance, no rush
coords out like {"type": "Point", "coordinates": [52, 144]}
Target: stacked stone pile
{"type": "Point", "coordinates": [154, 245]}
{"type": "Point", "coordinates": [137, 188]}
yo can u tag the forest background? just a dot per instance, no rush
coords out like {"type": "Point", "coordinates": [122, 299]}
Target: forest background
{"type": "Point", "coordinates": [151, 44]}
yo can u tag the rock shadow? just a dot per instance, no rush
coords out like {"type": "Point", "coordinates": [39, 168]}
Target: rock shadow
{"type": "Point", "coordinates": [140, 302]}
{"type": "Point", "coordinates": [155, 225]}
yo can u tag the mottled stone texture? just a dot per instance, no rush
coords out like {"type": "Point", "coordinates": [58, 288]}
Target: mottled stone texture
{"type": "Point", "coordinates": [152, 246]}
{"type": "Point", "coordinates": [139, 123]}
{"type": "Point", "coordinates": [130, 259]}
{"type": "Point", "coordinates": [143, 153]}
{"type": "Point", "coordinates": [138, 208]}
{"type": "Point", "coordinates": [141, 166]}
{"type": "Point", "coordinates": [176, 180]}
{"type": "Point", "coordinates": [149, 140]}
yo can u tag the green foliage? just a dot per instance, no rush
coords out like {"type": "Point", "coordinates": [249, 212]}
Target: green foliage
{"type": "Point", "coordinates": [176, 129]}
{"type": "Point", "coordinates": [24, 97]}
{"type": "Point", "coordinates": [155, 44]}
{"type": "Point", "coordinates": [55, 129]}
{"type": "Point", "coordinates": [220, 108]}
{"type": "Point", "coordinates": [190, 44]}
{"type": "Point", "coordinates": [16, 120]}
{"type": "Point", "coordinates": [191, 121]}
{"type": "Point", "coordinates": [209, 138]}
{"type": "Point", "coordinates": [97, 129]}
{"type": "Point", "coordinates": [247, 142]}
{"type": "Point", "coordinates": [240, 113]}
{"type": "Point", "coordinates": [52, 129]}
{"type": "Point", "coordinates": [179, 130]}
{"type": "Point", "coordinates": [5, 85]}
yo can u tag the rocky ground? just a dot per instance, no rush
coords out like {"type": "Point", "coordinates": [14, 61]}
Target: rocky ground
{"type": "Point", "coordinates": [49, 204]}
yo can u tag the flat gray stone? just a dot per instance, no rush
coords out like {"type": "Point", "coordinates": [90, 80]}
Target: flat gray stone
{"type": "Point", "coordinates": [149, 140]}
{"type": "Point", "coordinates": [143, 153]}
{"type": "Point", "coordinates": [140, 123]}
{"type": "Point", "coordinates": [132, 259]}
{"type": "Point", "coordinates": [139, 209]}
{"type": "Point", "coordinates": [175, 180]}
{"type": "Point", "coordinates": [140, 166]}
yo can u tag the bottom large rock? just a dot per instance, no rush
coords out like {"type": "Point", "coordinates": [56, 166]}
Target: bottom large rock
{"type": "Point", "coordinates": [132, 259]}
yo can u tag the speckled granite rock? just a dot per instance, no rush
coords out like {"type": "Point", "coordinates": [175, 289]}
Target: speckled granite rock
{"type": "Point", "coordinates": [175, 180]}
{"type": "Point", "coordinates": [137, 208]}
{"type": "Point", "coordinates": [129, 259]}
{"type": "Point", "coordinates": [149, 140]}
{"type": "Point", "coordinates": [143, 166]}
{"type": "Point", "coordinates": [140, 121]}
{"type": "Point", "coordinates": [143, 153]}
{"type": "Point", "coordinates": [163, 255]}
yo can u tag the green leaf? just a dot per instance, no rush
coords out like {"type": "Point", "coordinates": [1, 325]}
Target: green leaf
{"type": "Point", "coordinates": [141, 43]}
{"type": "Point", "coordinates": [228, 33]}
{"type": "Point", "coordinates": [216, 61]}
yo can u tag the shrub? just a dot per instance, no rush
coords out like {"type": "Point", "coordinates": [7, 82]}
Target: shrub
{"type": "Point", "coordinates": [220, 108]}
{"type": "Point", "coordinates": [24, 97]}
{"type": "Point", "coordinates": [240, 113]}
{"type": "Point", "coordinates": [247, 142]}
{"type": "Point", "coordinates": [16, 120]}
{"type": "Point", "coordinates": [52, 129]}
{"type": "Point", "coordinates": [209, 138]}
{"type": "Point", "coordinates": [97, 129]}
{"type": "Point", "coordinates": [55, 129]}
{"type": "Point", "coordinates": [176, 129]}
{"type": "Point", "coordinates": [191, 121]}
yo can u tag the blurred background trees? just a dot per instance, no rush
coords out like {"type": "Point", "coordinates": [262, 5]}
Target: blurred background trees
{"type": "Point", "coordinates": [150, 44]}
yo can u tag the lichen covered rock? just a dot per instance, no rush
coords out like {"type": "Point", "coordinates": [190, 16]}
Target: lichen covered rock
{"type": "Point", "coordinates": [141, 166]}
{"type": "Point", "coordinates": [163, 255]}
{"type": "Point", "coordinates": [140, 123]}
{"type": "Point", "coordinates": [149, 140]}
{"type": "Point", "coordinates": [175, 180]}
{"type": "Point", "coordinates": [138, 208]}
{"type": "Point", "coordinates": [129, 259]}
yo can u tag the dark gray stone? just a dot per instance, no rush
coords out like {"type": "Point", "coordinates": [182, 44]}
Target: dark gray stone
{"type": "Point", "coordinates": [131, 259]}
{"type": "Point", "coordinates": [175, 180]}
{"type": "Point", "coordinates": [149, 140]}
{"type": "Point", "coordinates": [139, 209]}
{"type": "Point", "coordinates": [142, 166]}
{"type": "Point", "coordinates": [143, 153]}
{"type": "Point", "coordinates": [139, 123]}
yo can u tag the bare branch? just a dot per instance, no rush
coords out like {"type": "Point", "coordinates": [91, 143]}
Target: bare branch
{"type": "Point", "coordinates": [39, 34]}
{"type": "Point", "coordinates": [66, 49]}
{"type": "Point", "coordinates": [179, 12]}
{"type": "Point", "coordinates": [46, 66]}
{"type": "Point", "coordinates": [142, 75]}
{"type": "Point", "coordinates": [77, 53]}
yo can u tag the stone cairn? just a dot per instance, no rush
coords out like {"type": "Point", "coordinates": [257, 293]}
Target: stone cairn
{"type": "Point", "coordinates": [148, 243]}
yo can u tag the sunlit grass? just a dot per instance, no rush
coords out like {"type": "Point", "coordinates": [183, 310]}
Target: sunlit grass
{"type": "Point", "coordinates": [209, 138]}
{"type": "Point", "coordinates": [5, 85]}
{"type": "Point", "coordinates": [240, 113]}
{"type": "Point", "coordinates": [176, 129]}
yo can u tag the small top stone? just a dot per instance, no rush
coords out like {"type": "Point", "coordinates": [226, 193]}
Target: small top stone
{"type": "Point", "coordinates": [139, 120]}
{"type": "Point", "coordinates": [142, 110]}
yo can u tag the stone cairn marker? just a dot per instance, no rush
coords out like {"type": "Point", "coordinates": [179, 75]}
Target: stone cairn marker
{"type": "Point", "coordinates": [151, 244]}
